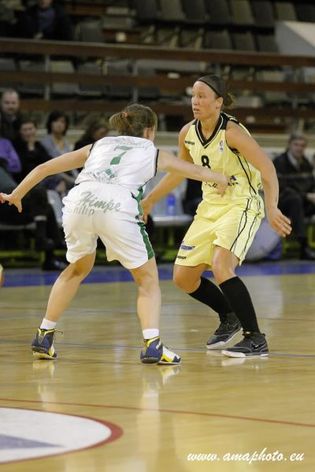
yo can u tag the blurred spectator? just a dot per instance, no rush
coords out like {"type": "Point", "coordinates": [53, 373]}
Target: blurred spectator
{"type": "Point", "coordinates": [96, 130]}
{"type": "Point", "coordinates": [10, 114]}
{"type": "Point", "coordinates": [35, 208]}
{"type": "Point", "coordinates": [56, 144]}
{"type": "Point", "coordinates": [297, 189]}
{"type": "Point", "coordinates": [30, 150]}
{"type": "Point", "coordinates": [7, 18]}
{"type": "Point", "coordinates": [57, 126]}
{"type": "Point", "coordinates": [32, 153]}
{"type": "Point", "coordinates": [8, 157]}
{"type": "Point", "coordinates": [45, 20]}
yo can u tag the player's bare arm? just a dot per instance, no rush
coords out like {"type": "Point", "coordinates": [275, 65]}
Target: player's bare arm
{"type": "Point", "coordinates": [69, 161]}
{"type": "Point", "coordinates": [237, 138]}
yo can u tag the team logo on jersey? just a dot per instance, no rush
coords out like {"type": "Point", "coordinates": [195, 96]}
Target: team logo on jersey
{"type": "Point", "coordinates": [184, 247]}
{"type": "Point", "coordinates": [221, 145]}
{"type": "Point", "coordinates": [29, 434]}
{"type": "Point", "coordinates": [233, 181]}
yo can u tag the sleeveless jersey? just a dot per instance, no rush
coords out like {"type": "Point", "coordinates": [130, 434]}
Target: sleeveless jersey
{"type": "Point", "coordinates": [245, 179]}
{"type": "Point", "coordinates": [126, 161]}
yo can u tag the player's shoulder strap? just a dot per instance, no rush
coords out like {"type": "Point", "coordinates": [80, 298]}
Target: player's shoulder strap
{"type": "Point", "coordinates": [226, 118]}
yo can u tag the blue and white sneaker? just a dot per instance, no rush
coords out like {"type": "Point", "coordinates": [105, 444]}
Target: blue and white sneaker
{"type": "Point", "coordinates": [43, 344]}
{"type": "Point", "coordinates": [156, 353]}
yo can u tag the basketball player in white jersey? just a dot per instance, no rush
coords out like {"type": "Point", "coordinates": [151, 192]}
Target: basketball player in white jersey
{"type": "Point", "coordinates": [223, 228]}
{"type": "Point", "coordinates": [105, 203]}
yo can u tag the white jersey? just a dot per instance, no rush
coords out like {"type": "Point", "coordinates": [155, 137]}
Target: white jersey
{"type": "Point", "coordinates": [125, 161]}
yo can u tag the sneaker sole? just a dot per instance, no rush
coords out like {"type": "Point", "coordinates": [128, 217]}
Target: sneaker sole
{"type": "Point", "coordinates": [222, 343]}
{"type": "Point", "coordinates": [37, 354]}
{"type": "Point", "coordinates": [169, 363]}
{"type": "Point", "coordinates": [41, 355]}
{"type": "Point", "coordinates": [150, 360]}
{"type": "Point", "coordinates": [244, 356]}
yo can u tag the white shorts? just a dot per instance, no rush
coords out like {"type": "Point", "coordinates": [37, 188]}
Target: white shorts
{"type": "Point", "coordinates": [110, 212]}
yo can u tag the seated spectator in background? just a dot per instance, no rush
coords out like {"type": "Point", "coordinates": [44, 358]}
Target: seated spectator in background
{"type": "Point", "coordinates": [7, 19]}
{"type": "Point", "coordinates": [192, 198]}
{"type": "Point", "coordinates": [45, 20]}
{"type": "Point", "coordinates": [8, 156]}
{"type": "Point", "coordinates": [96, 130]}
{"type": "Point", "coordinates": [37, 208]}
{"type": "Point", "coordinates": [30, 150]}
{"type": "Point", "coordinates": [297, 189]}
{"type": "Point", "coordinates": [57, 126]}
{"type": "Point", "coordinates": [10, 114]}
{"type": "Point", "coordinates": [56, 144]}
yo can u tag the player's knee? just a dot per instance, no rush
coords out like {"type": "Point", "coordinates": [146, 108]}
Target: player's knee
{"type": "Point", "coordinates": [181, 281]}
{"type": "Point", "coordinates": [77, 270]}
{"type": "Point", "coordinates": [148, 281]}
{"type": "Point", "coordinates": [221, 273]}
{"type": "Point", "coordinates": [148, 287]}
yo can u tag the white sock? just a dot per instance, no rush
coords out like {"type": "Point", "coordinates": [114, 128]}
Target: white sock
{"type": "Point", "coordinates": [47, 324]}
{"type": "Point", "coordinates": [150, 333]}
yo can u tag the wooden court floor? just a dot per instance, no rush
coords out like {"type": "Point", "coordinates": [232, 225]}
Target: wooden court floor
{"type": "Point", "coordinates": [211, 413]}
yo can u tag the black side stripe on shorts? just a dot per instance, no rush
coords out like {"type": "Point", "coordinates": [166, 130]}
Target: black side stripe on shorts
{"type": "Point", "coordinates": [240, 231]}
{"type": "Point", "coordinates": [249, 234]}
{"type": "Point", "coordinates": [254, 222]}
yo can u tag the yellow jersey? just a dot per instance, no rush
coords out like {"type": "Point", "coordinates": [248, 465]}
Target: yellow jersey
{"type": "Point", "coordinates": [245, 179]}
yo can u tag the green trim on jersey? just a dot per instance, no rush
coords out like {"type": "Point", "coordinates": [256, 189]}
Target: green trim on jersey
{"type": "Point", "coordinates": [146, 240]}
{"type": "Point", "coordinates": [144, 234]}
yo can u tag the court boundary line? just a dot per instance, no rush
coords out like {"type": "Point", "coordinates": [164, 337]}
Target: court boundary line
{"type": "Point", "coordinates": [163, 410]}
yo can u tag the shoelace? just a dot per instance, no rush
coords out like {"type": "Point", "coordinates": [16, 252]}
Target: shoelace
{"type": "Point", "coordinates": [55, 331]}
{"type": "Point", "coordinates": [59, 332]}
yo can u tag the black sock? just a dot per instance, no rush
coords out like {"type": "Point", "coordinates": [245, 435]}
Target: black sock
{"type": "Point", "coordinates": [239, 298]}
{"type": "Point", "coordinates": [209, 294]}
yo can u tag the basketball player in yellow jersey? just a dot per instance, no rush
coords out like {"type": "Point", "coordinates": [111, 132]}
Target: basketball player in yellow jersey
{"type": "Point", "coordinates": [223, 227]}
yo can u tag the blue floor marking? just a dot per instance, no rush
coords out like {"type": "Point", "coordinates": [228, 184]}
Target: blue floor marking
{"type": "Point", "coordinates": [106, 274]}
{"type": "Point", "coordinates": [13, 442]}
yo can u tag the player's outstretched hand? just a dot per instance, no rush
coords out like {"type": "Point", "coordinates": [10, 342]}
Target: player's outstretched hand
{"type": "Point", "coordinates": [12, 200]}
